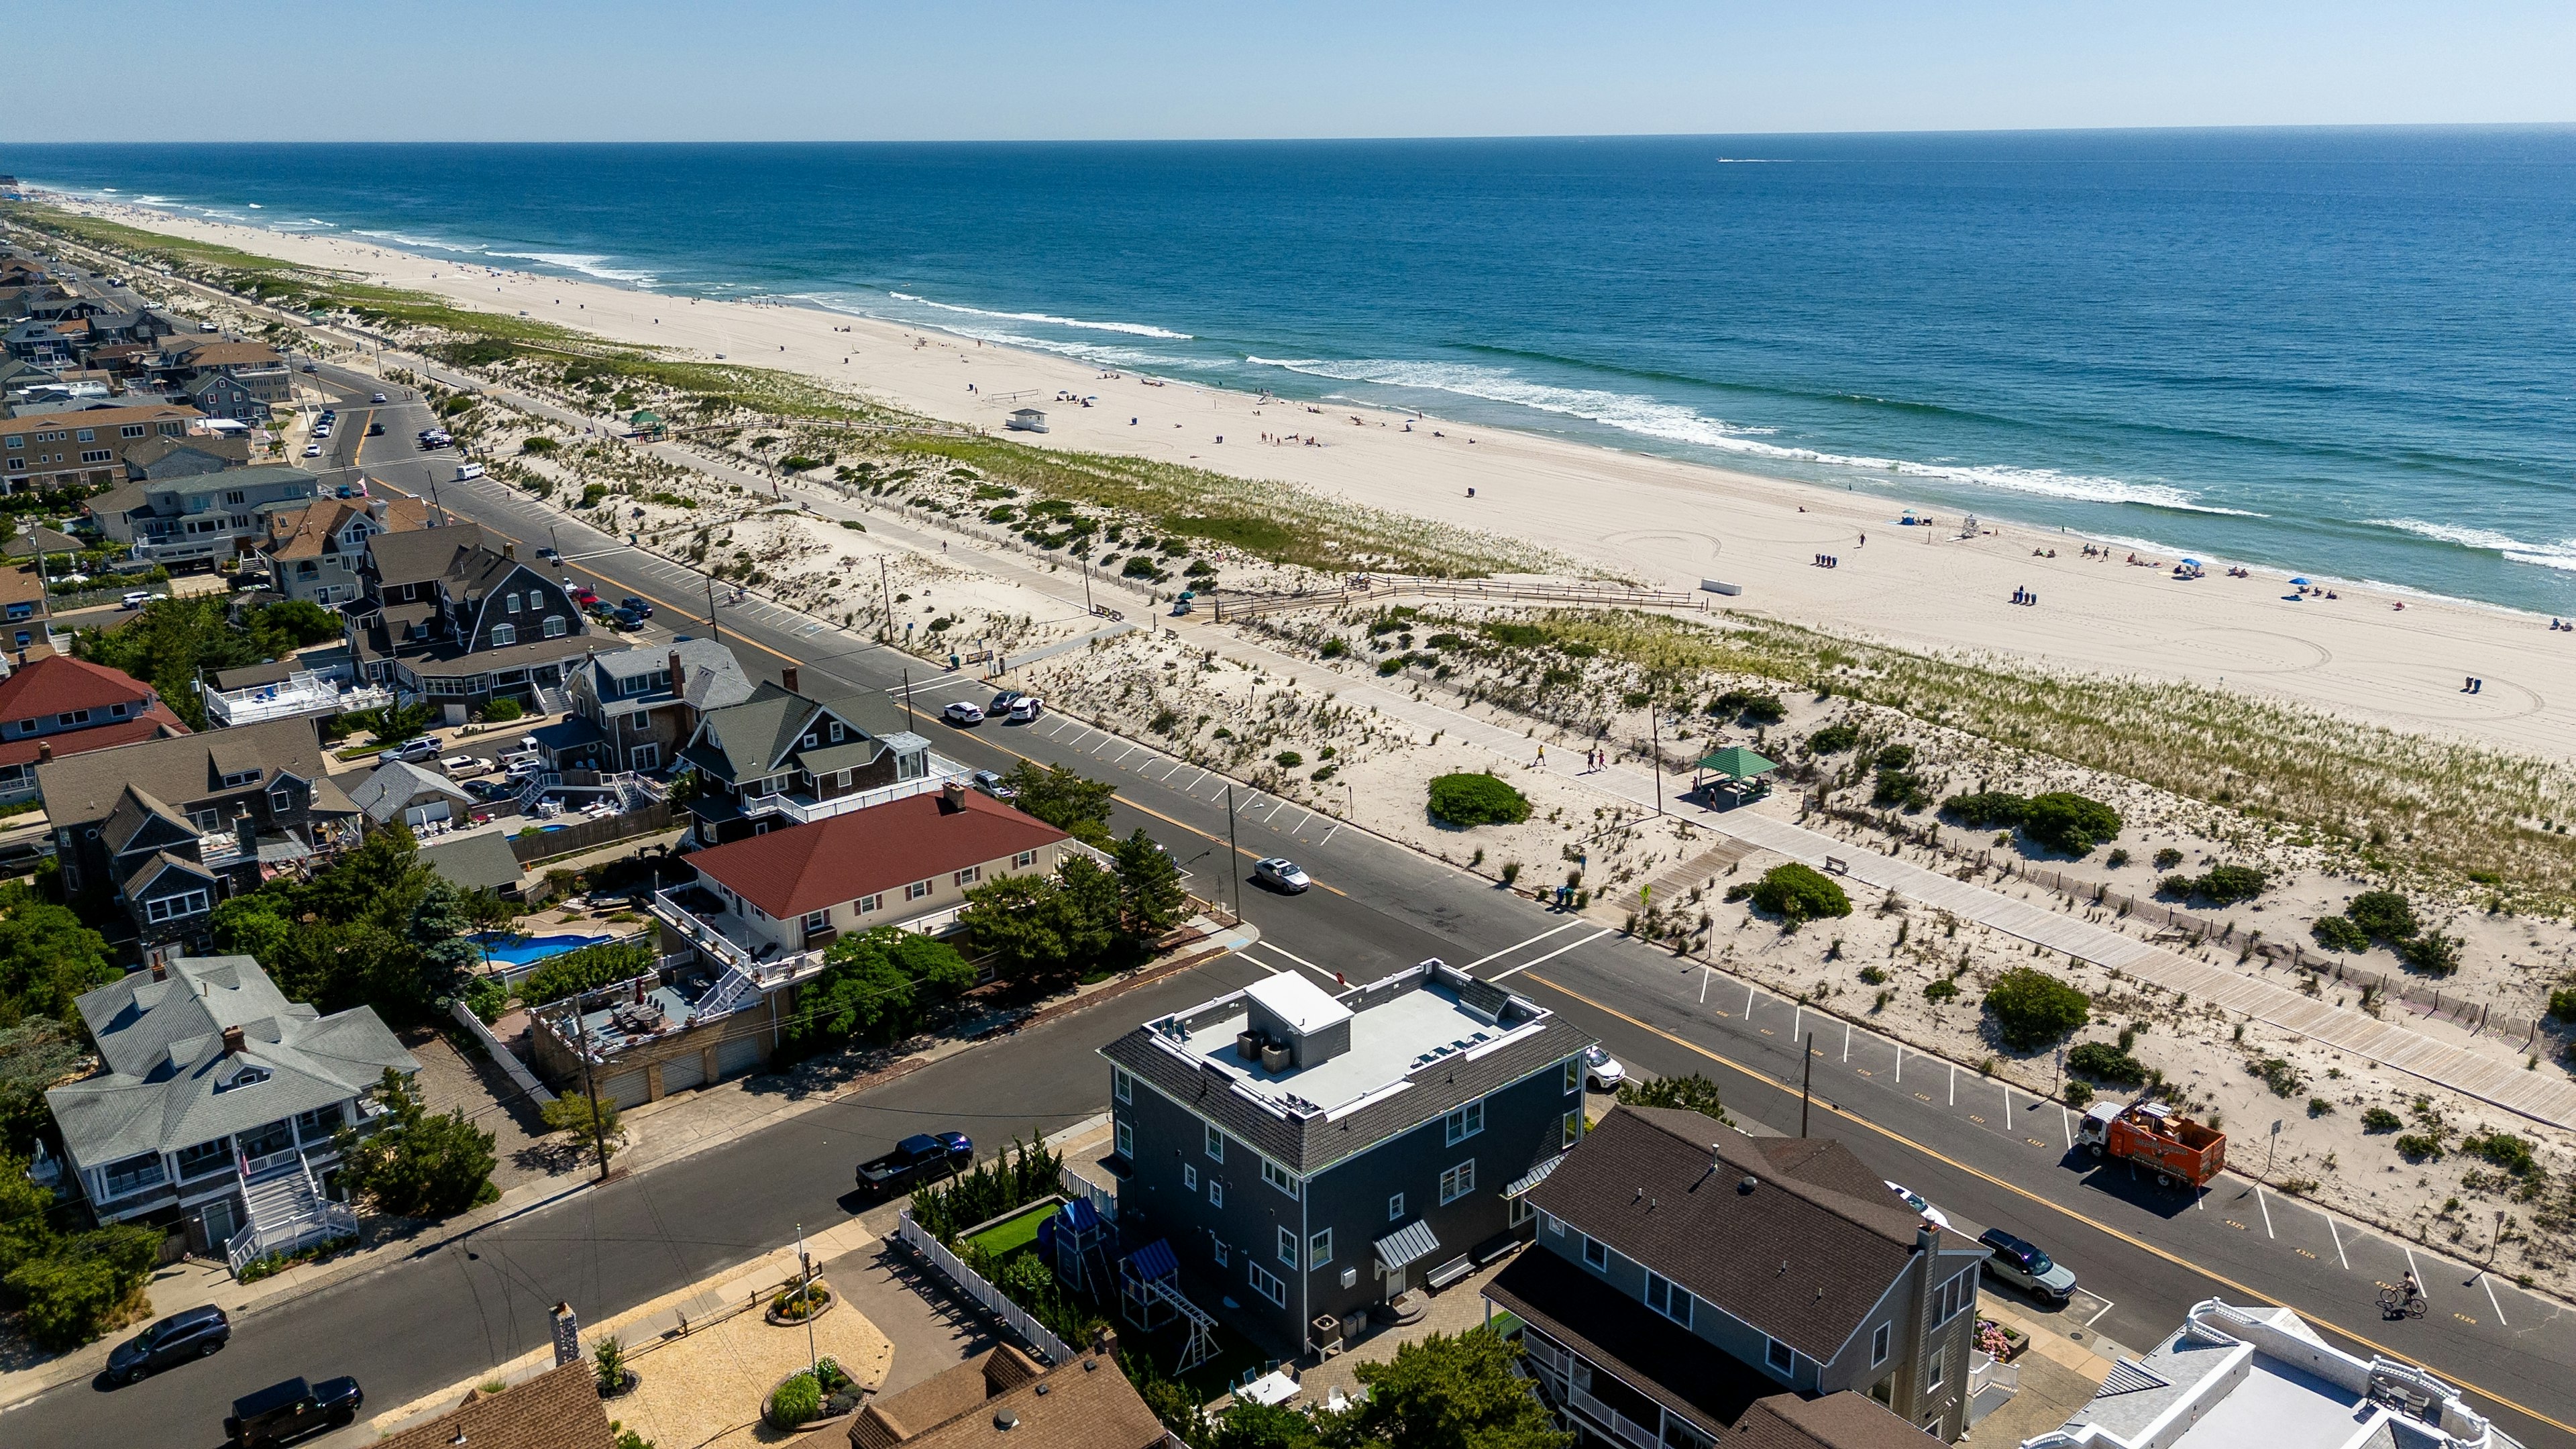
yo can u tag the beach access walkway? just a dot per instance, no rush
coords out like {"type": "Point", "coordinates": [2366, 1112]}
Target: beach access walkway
{"type": "Point", "coordinates": [2499, 1080]}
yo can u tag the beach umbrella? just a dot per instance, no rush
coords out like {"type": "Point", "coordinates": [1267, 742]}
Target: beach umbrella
{"type": "Point", "coordinates": [2301, 583]}
{"type": "Point", "coordinates": [2192, 563]}
{"type": "Point", "coordinates": [1736, 763]}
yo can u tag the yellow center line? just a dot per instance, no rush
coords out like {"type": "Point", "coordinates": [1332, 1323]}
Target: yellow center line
{"type": "Point", "coordinates": [2131, 1239]}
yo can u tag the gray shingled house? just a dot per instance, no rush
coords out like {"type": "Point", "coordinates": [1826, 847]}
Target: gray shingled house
{"type": "Point", "coordinates": [779, 758]}
{"type": "Point", "coordinates": [215, 1110]}
{"type": "Point", "coordinates": [1311, 1156]}
{"type": "Point", "coordinates": [1686, 1270]}
{"type": "Point", "coordinates": [646, 702]}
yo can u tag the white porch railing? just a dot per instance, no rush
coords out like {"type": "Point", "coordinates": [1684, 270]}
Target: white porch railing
{"type": "Point", "coordinates": [805, 810]}
{"type": "Point", "coordinates": [972, 1284]}
{"type": "Point", "coordinates": [303, 692]}
{"type": "Point", "coordinates": [1987, 1372]}
{"type": "Point", "coordinates": [1621, 1427]}
{"type": "Point", "coordinates": [249, 1245]}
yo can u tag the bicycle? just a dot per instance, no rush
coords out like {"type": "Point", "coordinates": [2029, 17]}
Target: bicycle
{"type": "Point", "coordinates": [2397, 1303]}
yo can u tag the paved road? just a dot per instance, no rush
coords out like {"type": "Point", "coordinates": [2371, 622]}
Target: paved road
{"type": "Point", "coordinates": [1987, 1156]}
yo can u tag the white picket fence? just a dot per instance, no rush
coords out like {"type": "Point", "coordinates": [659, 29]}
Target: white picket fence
{"type": "Point", "coordinates": [971, 1283]}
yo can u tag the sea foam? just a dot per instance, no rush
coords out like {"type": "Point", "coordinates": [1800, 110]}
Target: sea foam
{"type": "Point", "coordinates": [1133, 329]}
{"type": "Point", "coordinates": [2559, 555]}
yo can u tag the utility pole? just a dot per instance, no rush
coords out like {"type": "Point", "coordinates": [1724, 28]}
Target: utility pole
{"type": "Point", "coordinates": [590, 1089]}
{"type": "Point", "coordinates": [711, 609]}
{"type": "Point", "coordinates": [804, 1292]}
{"type": "Point", "coordinates": [907, 697]}
{"type": "Point", "coordinates": [1233, 866]}
{"type": "Point", "coordinates": [885, 595]}
{"type": "Point", "coordinates": [1655, 724]}
{"type": "Point", "coordinates": [1806, 1076]}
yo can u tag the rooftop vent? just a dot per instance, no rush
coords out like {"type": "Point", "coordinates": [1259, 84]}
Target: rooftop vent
{"type": "Point", "coordinates": [1293, 1014]}
{"type": "Point", "coordinates": [1006, 1421]}
{"type": "Point", "coordinates": [1749, 1183]}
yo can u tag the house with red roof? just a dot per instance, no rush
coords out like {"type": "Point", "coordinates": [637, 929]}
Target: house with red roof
{"type": "Point", "coordinates": [57, 706]}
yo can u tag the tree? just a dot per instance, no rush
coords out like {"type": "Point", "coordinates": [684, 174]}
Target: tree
{"type": "Point", "coordinates": [877, 983]}
{"type": "Point", "coordinates": [34, 1055]}
{"type": "Point", "coordinates": [299, 621]}
{"type": "Point", "coordinates": [1798, 893]}
{"type": "Point", "coordinates": [1694, 1092]}
{"type": "Point", "coordinates": [1070, 802]}
{"type": "Point", "coordinates": [173, 641]}
{"type": "Point", "coordinates": [2034, 1009]}
{"type": "Point", "coordinates": [585, 968]}
{"type": "Point", "coordinates": [1013, 923]}
{"type": "Point", "coordinates": [571, 1113]}
{"type": "Point", "coordinates": [417, 1164]}
{"type": "Point", "coordinates": [1454, 1393]}
{"type": "Point", "coordinates": [1150, 896]}
{"type": "Point", "coordinates": [2065, 821]}
{"type": "Point", "coordinates": [374, 928]}
{"type": "Point", "coordinates": [1247, 1425]}
{"type": "Point", "coordinates": [1468, 800]}
{"type": "Point", "coordinates": [47, 957]}
{"type": "Point", "coordinates": [77, 1282]}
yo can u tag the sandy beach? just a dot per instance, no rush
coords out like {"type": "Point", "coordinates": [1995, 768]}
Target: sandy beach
{"type": "Point", "coordinates": [2387, 657]}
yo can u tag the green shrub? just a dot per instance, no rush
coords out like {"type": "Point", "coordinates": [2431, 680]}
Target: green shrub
{"type": "Point", "coordinates": [1760, 709]}
{"type": "Point", "coordinates": [795, 1402]}
{"type": "Point", "coordinates": [1894, 757]}
{"type": "Point", "coordinates": [1986, 808]}
{"type": "Point", "coordinates": [2102, 1060]}
{"type": "Point", "coordinates": [1477, 799]}
{"type": "Point", "coordinates": [2117, 858]}
{"type": "Point", "coordinates": [2505, 1150]}
{"type": "Point", "coordinates": [2386, 915]}
{"type": "Point", "coordinates": [2279, 1075]}
{"type": "Point", "coordinates": [1694, 1092]}
{"type": "Point", "coordinates": [1333, 648]}
{"type": "Point", "coordinates": [2168, 858]}
{"type": "Point", "coordinates": [2338, 933]}
{"type": "Point", "coordinates": [2380, 1119]}
{"type": "Point", "coordinates": [2065, 821]}
{"type": "Point", "coordinates": [1288, 759]}
{"type": "Point", "coordinates": [586, 968]}
{"type": "Point", "coordinates": [2223, 885]}
{"type": "Point", "coordinates": [1900, 788]}
{"type": "Point", "coordinates": [2034, 1009]}
{"type": "Point", "coordinates": [1797, 893]}
{"type": "Point", "coordinates": [2432, 953]}
{"type": "Point", "coordinates": [2562, 1004]}
{"type": "Point", "coordinates": [2418, 1146]}
{"type": "Point", "coordinates": [1834, 738]}
{"type": "Point", "coordinates": [1942, 990]}
{"type": "Point", "coordinates": [2078, 1094]}
{"type": "Point", "coordinates": [499, 710]}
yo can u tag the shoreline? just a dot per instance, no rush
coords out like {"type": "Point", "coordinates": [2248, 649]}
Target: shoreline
{"type": "Point", "coordinates": [2386, 654]}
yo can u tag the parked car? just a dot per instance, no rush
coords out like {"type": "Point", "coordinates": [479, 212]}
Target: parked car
{"type": "Point", "coordinates": [962, 713]}
{"type": "Point", "coordinates": [925, 1157]}
{"type": "Point", "coordinates": [285, 1412]}
{"type": "Point", "coordinates": [1026, 709]}
{"type": "Point", "coordinates": [460, 766]}
{"type": "Point", "coordinates": [627, 619]}
{"type": "Point", "coordinates": [423, 748]}
{"type": "Point", "coordinates": [313, 450]}
{"type": "Point", "coordinates": [468, 470]}
{"type": "Point", "coordinates": [2024, 1266]}
{"type": "Point", "coordinates": [638, 606]}
{"type": "Point", "coordinates": [582, 594]}
{"type": "Point", "coordinates": [135, 598]}
{"type": "Point", "coordinates": [1003, 701]}
{"type": "Point", "coordinates": [991, 784]}
{"type": "Point", "coordinates": [1923, 1209]}
{"type": "Point", "coordinates": [1281, 873]}
{"type": "Point", "coordinates": [192, 1333]}
{"type": "Point", "coordinates": [1602, 1070]}
{"type": "Point", "coordinates": [379, 397]}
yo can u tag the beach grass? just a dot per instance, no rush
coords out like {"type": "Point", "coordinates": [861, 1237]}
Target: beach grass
{"type": "Point", "coordinates": [2386, 799]}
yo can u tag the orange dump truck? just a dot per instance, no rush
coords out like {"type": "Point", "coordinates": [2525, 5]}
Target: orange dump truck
{"type": "Point", "coordinates": [2176, 1148]}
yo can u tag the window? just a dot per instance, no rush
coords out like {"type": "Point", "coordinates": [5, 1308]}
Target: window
{"type": "Point", "coordinates": [511, 605]}
{"type": "Point", "coordinates": [131, 430]}
{"type": "Point", "coordinates": [1668, 1298]}
{"type": "Point", "coordinates": [1596, 1254]}
{"type": "Point", "coordinates": [1121, 1085]}
{"type": "Point", "coordinates": [171, 908]}
{"type": "Point", "coordinates": [1780, 1357]}
{"type": "Point", "coordinates": [1932, 1373]}
{"type": "Point", "coordinates": [1216, 1193]}
{"type": "Point", "coordinates": [1573, 1075]}
{"type": "Point", "coordinates": [1319, 1249]}
{"type": "Point", "coordinates": [1555, 1224]}
{"type": "Point", "coordinates": [96, 455]}
{"type": "Point", "coordinates": [819, 921]}
{"type": "Point", "coordinates": [917, 890]}
{"type": "Point", "coordinates": [1126, 1140]}
{"type": "Point", "coordinates": [836, 732]}
{"type": "Point", "coordinates": [1024, 860]}
{"type": "Point", "coordinates": [132, 1174]}
{"type": "Point", "coordinates": [811, 739]}
{"type": "Point", "coordinates": [1457, 1182]}
{"type": "Point", "coordinates": [1953, 1296]}
{"type": "Point", "coordinates": [1288, 1246]}
{"type": "Point", "coordinates": [504, 634]}
{"type": "Point", "coordinates": [1215, 1145]}
{"type": "Point", "coordinates": [1266, 1283]}
{"type": "Point", "coordinates": [236, 498]}
{"type": "Point", "coordinates": [72, 719]}
{"type": "Point", "coordinates": [969, 876]}
{"type": "Point", "coordinates": [1395, 1208]}
{"type": "Point", "coordinates": [282, 798]}
{"type": "Point", "coordinates": [554, 626]}
{"type": "Point", "coordinates": [1219, 1251]}
{"type": "Point", "coordinates": [1878, 1344]}
{"type": "Point", "coordinates": [1279, 1177]}
{"type": "Point", "coordinates": [89, 435]}
{"type": "Point", "coordinates": [1573, 1128]}
{"type": "Point", "coordinates": [1189, 1177]}
{"type": "Point", "coordinates": [1464, 1123]}
{"type": "Point", "coordinates": [1884, 1391]}
{"type": "Point", "coordinates": [205, 1157]}
{"type": "Point", "coordinates": [870, 905]}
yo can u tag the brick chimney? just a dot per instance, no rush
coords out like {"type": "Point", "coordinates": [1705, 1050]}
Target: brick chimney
{"type": "Point", "coordinates": [160, 969]}
{"type": "Point", "coordinates": [44, 750]}
{"type": "Point", "coordinates": [952, 797]}
{"type": "Point", "coordinates": [509, 549]}
{"type": "Point", "coordinates": [234, 1044]}
{"type": "Point", "coordinates": [679, 680]}
{"type": "Point", "coordinates": [787, 678]}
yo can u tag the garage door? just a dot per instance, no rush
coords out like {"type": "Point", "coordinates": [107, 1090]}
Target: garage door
{"type": "Point", "coordinates": [739, 1055]}
{"type": "Point", "coordinates": [683, 1072]}
{"type": "Point", "coordinates": [626, 1089]}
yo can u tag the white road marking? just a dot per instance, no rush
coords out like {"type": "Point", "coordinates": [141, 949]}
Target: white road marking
{"type": "Point", "coordinates": [2412, 1273]}
{"type": "Point", "coordinates": [2066, 1120]}
{"type": "Point", "coordinates": [1131, 749]}
{"type": "Point", "coordinates": [1954, 1084]}
{"type": "Point", "coordinates": [2487, 1281]}
{"type": "Point", "coordinates": [1274, 812]}
{"type": "Point", "coordinates": [2338, 1240]}
{"type": "Point", "coordinates": [1900, 1064]}
{"type": "Point", "coordinates": [1337, 825]}
{"type": "Point", "coordinates": [1705, 976]}
{"type": "Point", "coordinates": [2265, 1204]}
{"type": "Point", "coordinates": [1552, 955]}
{"type": "Point", "coordinates": [1302, 824]}
{"type": "Point", "coordinates": [1293, 956]}
{"type": "Point", "coordinates": [1194, 784]}
{"type": "Point", "coordinates": [1532, 941]}
{"type": "Point", "coordinates": [2097, 1315]}
{"type": "Point", "coordinates": [1748, 1002]}
{"type": "Point", "coordinates": [1248, 804]}
{"type": "Point", "coordinates": [1847, 1026]}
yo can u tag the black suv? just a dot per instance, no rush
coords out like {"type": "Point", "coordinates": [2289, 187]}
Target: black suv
{"type": "Point", "coordinates": [291, 1410]}
{"type": "Point", "coordinates": [175, 1339]}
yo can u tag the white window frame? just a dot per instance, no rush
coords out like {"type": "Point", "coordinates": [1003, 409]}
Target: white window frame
{"type": "Point", "coordinates": [504, 635]}
{"type": "Point", "coordinates": [177, 907]}
{"type": "Point", "coordinates": [1932, 1373]}
{"type": "Point", "coordinates": [510, 605]}
{"type": "Point", "coordinates": [1218, 1250]}
{"type": "Point", "coordinates": [554, 626]}
{"type": "Point", "coordinates": [1573, 1075]}
{"type": "Point", "coordinates": [1319, 1249]}
{"type": "Point", "coordinates": [1395, 1207]}
{"type": "Point", "coordinates": [918, 889]}
{"type": "Point", "coordinates": [1121, 1085]}
{"type": "Point", "coordinates": [1457, 1182]}
{"type": "Point", "coordinates": [1190, 1176]}
{"type": "Point", "coordinates": [1573, 1129]}
{"type": "Point", "coordinates": [1278, 1177]}
{"type": "Point", "coordinates": [870, 905]}
{"type": "Point", "coordinates": [1214, 1143]}
{"type": "Point", "coordinates": [1024, 860]}
{"type": "Point", "coordinates": [1288, 1247]}
{"type": "Point", "coordinates": [1216, 1191]}
{"type": "Point", "coordinates": [969, 876]}
{"type": "Point", "coordinates": [1668, 1298]}
{"type": "Point", "coordinates": [1126, 1141]}
{"type": "Point", "coordinates": [818, 920]}
{"type": "Point", "coordinates": [1464, 1121]}
{"type": "Point", "coordinates": [1266, 1283]}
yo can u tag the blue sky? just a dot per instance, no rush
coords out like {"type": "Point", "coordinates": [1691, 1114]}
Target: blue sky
{"type": "Point", "coordinates": [811, 70]}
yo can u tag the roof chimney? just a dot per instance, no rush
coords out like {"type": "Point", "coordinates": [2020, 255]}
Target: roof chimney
{"type": "Point", "coordinates": [679, 680]}
{"type": "Point", "coordinates": [952, 797]}
{"type": "Point", "coordinates": [509, 549]}
{"type": "Point", "coordinates": [234, 1044]}
{"type": "Point", "coordinates": [44, 750]}
{"type": "Point", "coordinates": [160, 969]}
{"type": "Point", "coordinates": [787, 679]}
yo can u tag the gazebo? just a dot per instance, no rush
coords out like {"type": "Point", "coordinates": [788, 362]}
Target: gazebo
{"type": "Point", "coordinates": [646, 422]}
{"type": "Point", "coordinates": [1740, 768]}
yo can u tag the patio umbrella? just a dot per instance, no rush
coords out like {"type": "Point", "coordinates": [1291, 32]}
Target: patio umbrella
{"type": "Point", "coordinates": [1736, 763]}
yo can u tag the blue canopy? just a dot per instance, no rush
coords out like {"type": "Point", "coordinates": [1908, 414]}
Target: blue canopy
{"type": "Point", "coordinates": [1154, 1260]}
{"type": "Point", "coordinates": [2302, 583]}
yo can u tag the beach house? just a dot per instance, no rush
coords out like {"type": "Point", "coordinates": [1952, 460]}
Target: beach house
{"type": "Point", "coordinates": [57, 706]}
{"type": "Point", "coordinates": [644, 704]}
{"type": "Point", "coordinates": [85, 446]}
{"type": "Point", "coordinates": [442, 618]}
{"type": "Point", "coordinates": [779, 758]}
{"type": "Point", "coordinates": [200, 517]}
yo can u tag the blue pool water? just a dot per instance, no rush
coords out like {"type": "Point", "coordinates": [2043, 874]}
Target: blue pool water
{"type": "Point", "coordinates": [521, 950]}
{"type": "Point", "coordinates": [2341, 351]}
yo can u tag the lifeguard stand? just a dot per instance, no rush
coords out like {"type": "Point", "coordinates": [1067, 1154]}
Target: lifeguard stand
{"type": "Point", "coordinates": [1149, 1292]}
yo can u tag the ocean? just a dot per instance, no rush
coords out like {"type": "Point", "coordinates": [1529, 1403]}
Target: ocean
{"type": "Point", "coordinates": [2345, 352]}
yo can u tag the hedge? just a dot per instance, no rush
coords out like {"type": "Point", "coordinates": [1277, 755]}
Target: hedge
{"type": "Point", "coordinates": [1477, 799]}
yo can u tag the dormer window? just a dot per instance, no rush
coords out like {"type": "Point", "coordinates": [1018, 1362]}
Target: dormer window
{"type": "Point", "coordinates": [72, 719]}
{"type": "Point", "coordinates": [246, 1076]}
{"type": "Point", "coordinates": [245, 777]}
{"type": "Point", "coordinates": [836, 732]}
{"type": "Point", "coordinates": [513, 605]}
{"type": "Point", "coordinates": [116, 711]}
{"type": "Point", "coordinates": [554, 626]}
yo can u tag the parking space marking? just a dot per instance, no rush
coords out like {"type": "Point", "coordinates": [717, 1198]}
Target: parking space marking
{"type": "Point", "coordinates": [2487, 1281]}
{"type": "Point", "coordinates": [1559, 951]}
{"type": "Point", "coordinates": [1248, 804]}
{"type": "Point", "coordinates": [2411, 1271]}
{"type": "Point", "coordinates": [2066, 1120]}
{"type": "Point", "coordinates": [2261, 1202]}
{"type": "Point", "coordinates": [1302, 823]}
{"type": "Point", "coordinates": [1194, 784]}
{"type": "Point", "coordinates": [1274, 812]}
{"type": "Point", "coordinates": [1131, 749]}
{"type": "Point", "coordinates": [2338, 1240]}
{"type": "Point", "coordinates": [1329, 833]}
{"type": "Point", "coordinates": [1532, 941]}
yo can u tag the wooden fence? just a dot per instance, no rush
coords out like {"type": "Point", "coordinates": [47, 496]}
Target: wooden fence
{"type": "Point", "coordinates": [592, 834]}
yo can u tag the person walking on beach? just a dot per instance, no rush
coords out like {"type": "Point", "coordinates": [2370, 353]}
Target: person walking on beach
{"type": "Point", "coordinates": [1542, 758]}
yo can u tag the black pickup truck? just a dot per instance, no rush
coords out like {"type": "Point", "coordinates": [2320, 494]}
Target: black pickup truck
{"type": "Point", "coordinates": [291, 1410]}
{"type": "Point", "coordinates": [926, 1157]}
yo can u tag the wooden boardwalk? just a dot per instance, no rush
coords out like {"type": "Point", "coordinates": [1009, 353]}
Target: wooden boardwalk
{"type": "Point", "coordinates": [2501, 1081]}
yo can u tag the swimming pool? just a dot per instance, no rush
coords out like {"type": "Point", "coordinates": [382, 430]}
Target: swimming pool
{"type": "Point", "coordinates": [520, 950]}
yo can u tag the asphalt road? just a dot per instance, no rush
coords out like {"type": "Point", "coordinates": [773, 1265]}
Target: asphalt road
{"type": "Point", "coordinates": [1985, 1155]}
